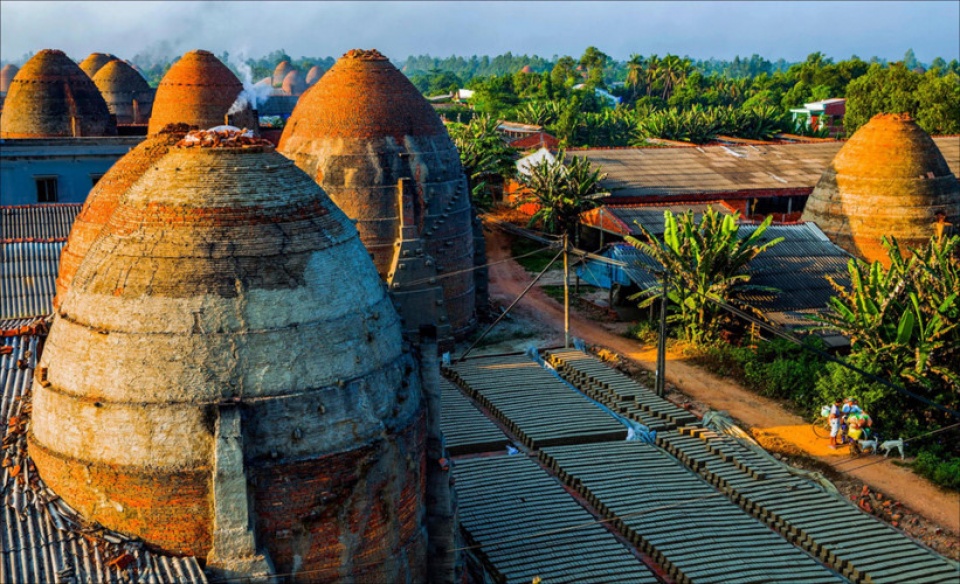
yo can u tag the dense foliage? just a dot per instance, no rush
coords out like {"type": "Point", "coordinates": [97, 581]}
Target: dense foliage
{"type": "Point", "coordinates": [904, 326]}
{"type": "Point", "coordinates": [704, 264]}
{"type": "Point", "coordinates": [561, 190]}
{"type": "Point", "coordinates": [487, 160]}
{"type": "Point", "coordinates": [904, 323]}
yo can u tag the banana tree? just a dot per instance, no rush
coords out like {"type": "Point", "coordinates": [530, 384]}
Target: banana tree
{"type": "Point", "coordinates": [704, 263]}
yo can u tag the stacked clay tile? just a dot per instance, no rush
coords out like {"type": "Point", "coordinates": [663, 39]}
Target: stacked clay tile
{"type": "Point", "coordinates": [198, 90]}
{"type": "Point", "coordinates": [359, 130]}
{"type": "Point", "coordinates": [104, 197]}
{"type": "Point", "coordinates": [889, 179]}
{"type": "Point", "coordinates": [281, 71]}
{"type": "Point", "coordinates": [94, 62]}
{"type": "Point", "coordinates": [52, 97]}
{"type": "Point", "coordinates": [7, 74]}
{"type": "Point", "coordinates": [314, 75]}
{"type": "Point", "coordinates": [225, 275]}
{"type": "Point", "coordinates": [127, 93]}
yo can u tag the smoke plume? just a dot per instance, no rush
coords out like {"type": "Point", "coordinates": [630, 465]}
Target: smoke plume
{"type": "Point", "coordinates": [252, 95]}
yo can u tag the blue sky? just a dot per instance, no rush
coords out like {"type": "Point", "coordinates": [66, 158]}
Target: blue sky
{"type": "Point", "coordinates": [699, 29]}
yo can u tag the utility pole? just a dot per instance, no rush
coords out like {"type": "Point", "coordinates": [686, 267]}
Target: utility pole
{"type": "Point", "coordinates": [662, 341]}
{"type": "Point", "coordinates": [566, 292]}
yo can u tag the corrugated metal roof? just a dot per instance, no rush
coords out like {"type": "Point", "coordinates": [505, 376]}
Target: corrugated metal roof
{"type": "Point", "coordinates": [705, 169]}
{"type": "Point", "coordinates": [798, 267]}
{"type": "Point", "coordinates": [28, 278]}
{"type": "Point", "coordinates": [651, 216]}
{"type": "Point", "coordinates": [41, 538]}
{"type": "Point", "coordinates": [37, 221]}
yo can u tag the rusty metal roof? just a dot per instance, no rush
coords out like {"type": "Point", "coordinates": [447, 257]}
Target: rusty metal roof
{"type": "Point", "coordinates": [633, 172]}
{"type": "Point", "coordinates": [41, 538]}
{"type": "Point", "coordinates": [37, 221]}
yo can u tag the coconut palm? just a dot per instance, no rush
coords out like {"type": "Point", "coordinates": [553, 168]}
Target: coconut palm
{"type": "Point", "coordinates": [561, 191]}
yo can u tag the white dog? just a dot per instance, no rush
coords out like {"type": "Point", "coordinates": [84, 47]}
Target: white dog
{"type": "Point", "coordinates": [871, 444]}
{"type": "Point", "coordinates": [889, 445]}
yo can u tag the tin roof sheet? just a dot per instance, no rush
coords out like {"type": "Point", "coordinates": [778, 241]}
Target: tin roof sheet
{"type": "Point", "coordinates": [28, 277]}
{"type": "Point", "coordinates": [714, 169]}
{"type": "Point", "coordinates": [41, 538]}
{"type": "Point", "coordinates": [37, 221]}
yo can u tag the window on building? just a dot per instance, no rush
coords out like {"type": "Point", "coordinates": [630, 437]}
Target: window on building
{"type": "Point", "coordinates": [94, 179]}
{"type": "Point", "coordinates": [46, 189]}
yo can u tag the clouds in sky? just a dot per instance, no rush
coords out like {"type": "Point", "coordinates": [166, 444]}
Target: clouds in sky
{"type": "Point", "coordinates": [699, 29]}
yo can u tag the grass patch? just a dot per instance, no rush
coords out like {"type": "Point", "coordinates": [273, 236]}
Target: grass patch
{"type": "Point", "coordinates": [534, 263]}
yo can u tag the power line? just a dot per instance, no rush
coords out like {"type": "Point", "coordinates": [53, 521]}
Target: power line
{"type": "Point", "coordinates": [777, 331]}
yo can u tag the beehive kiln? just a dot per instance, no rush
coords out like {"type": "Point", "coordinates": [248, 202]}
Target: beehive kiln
{"type": "Point", "coordinates": [52, 97]}
{"type": "Point", "coordinates": [225, 376]}
{"type": "Point", "coordinates": [128, 95]}
{"type": "Point", "coordinates": [369, 138]}
{"type": "Point", "coordinates": [198, 90]}
{"type": "Point", "coordinates": [889, 179]}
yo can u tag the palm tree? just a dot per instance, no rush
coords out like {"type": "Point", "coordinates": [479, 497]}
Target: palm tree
{"type": "Point", "coordinates": [635, 74]}
{"type": "Point", "coordinates": [562, 192]}
{"type": "Point", "coordinates": [704, 264]}
{"type": "Point", "coordinates": [652, 72]}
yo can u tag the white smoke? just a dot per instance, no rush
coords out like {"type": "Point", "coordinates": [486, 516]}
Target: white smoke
{"type": "Point", "coordinates": [252, 95]}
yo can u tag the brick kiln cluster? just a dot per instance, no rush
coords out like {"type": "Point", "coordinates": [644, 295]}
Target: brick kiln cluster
{"type": "Point", "coordinates": [888, 179]}
{"type": "Point", "coordinates": [226, 375]}
{"type": "Point", "coordinates": [208, 386]}
{"type": "Point", "coordinates": [376, 146]}
{"type": "Point", "coordinates": [52, 97]}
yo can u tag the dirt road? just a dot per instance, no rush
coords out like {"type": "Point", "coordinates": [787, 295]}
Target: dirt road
{"type": "Point", "coordinates": [507, 281]}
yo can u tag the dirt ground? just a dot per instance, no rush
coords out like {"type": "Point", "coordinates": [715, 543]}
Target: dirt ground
{"type": "Point", "coordinates": [879, 485]}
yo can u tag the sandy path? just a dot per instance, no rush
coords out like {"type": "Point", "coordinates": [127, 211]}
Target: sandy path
{"type": "Point", "coordinates": [507, 281]}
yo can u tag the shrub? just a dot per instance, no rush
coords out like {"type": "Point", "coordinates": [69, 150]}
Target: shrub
{"type": "Point", "coordinates": [942, 469]}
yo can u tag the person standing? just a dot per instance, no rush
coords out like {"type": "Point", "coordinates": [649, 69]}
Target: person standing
{"type": "Point", "coordinates": [836, 413]}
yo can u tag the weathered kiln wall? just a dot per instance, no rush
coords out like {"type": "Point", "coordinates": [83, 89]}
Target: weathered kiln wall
{"type": "Point", "coordinates": [104, 197]}
{"type": "Point", "coordinates": [354, 514]}
{"type": "Point", "coordinates": [361, 130]}
{"type": "Point", "coordinates": [889, 179]}
{"type": "Point", "coordinates": [226, 275]}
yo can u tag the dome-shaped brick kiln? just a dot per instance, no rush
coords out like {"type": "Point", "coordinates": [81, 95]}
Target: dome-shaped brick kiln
{"type": "Point", "coordinates": [94, 62]}
{"type": "Point", "coordinates": [378, 148]}
{"type": "Point", "coordinates": [281, 71]}
{"type": "Point", "coordinates": [889, 179]}
{"type": "Point", "coordinates": [293, 83]}
{"type": "Point", "coordinates": [314, 75]}
{"type": "Point", "coordinates": [198, 90]}
{"type": "Point", "coordinates": [127, 93]}
{"type": "Point", "coordinates": [226, 372]}
{"type": "Point", "coordinates": [52, 97]}
{"type": "Point", "coordinates": [7, 74]}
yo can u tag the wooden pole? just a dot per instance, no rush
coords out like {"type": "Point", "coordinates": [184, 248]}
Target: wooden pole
{"type": "Point", "coordinates": [566, 292]}
{"type": "Point", "coordinates": [662, 342]}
